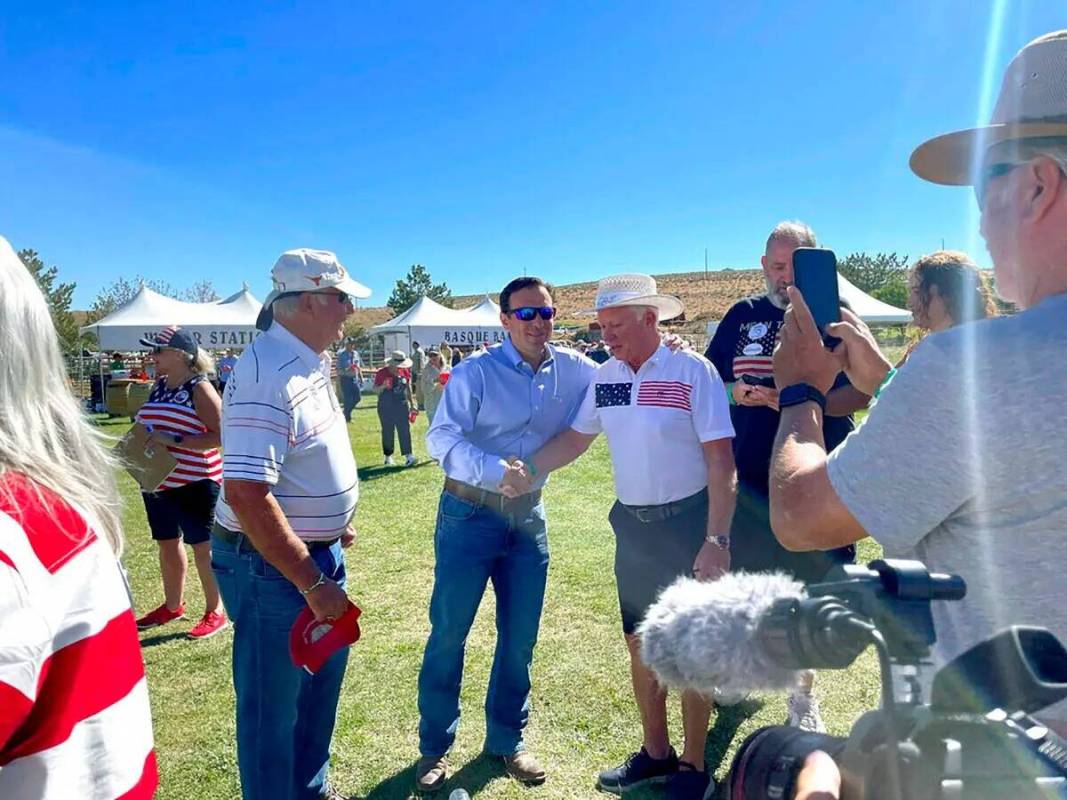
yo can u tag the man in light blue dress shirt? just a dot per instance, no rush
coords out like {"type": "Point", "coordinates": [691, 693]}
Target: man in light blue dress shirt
{"type": "Point", "coordinates": [501, 404]}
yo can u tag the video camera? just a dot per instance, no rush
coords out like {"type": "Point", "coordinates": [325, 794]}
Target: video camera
{"type": "Point", "coordinates": [973, 741]}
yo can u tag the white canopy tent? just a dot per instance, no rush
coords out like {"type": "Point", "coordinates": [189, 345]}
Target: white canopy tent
{"type": "Point", "coordinates": [221, 325]}
{"type": "Point", "coordinates": [430, 323]}
{"type": "Point", "coordinates": [870, 309]}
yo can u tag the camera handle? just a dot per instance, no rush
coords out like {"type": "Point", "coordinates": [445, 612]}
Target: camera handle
{"type": "Point", "coordinates": [864, 627]}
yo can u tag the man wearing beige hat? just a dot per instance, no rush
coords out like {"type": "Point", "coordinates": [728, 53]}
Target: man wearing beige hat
{"type": "Point", "coordinates": [396, 402]}
{"type": "Point", "coordinates": [666, 417]}
{"type": "Point", "coordinates": [289, 491]}
{"type": "Point", "coordinates": [967, 441]}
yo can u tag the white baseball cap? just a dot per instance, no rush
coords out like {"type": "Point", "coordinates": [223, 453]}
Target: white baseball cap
{"type": "Point", "coordinates": [307, 270]}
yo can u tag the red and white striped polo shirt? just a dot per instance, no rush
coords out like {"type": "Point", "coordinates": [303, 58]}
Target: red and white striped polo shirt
{"type": "Point", "coordinates": [74, 714]}
{"type": "Point", "coordinates": [171, 410]}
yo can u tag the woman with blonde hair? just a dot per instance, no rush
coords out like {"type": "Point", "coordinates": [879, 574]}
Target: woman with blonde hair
{"type": "Point", "coordinates": [183, 414]}
{"type": "Point", "coordinates": [64, 605]}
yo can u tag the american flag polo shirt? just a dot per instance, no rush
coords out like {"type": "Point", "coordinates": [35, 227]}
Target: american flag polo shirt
{"type": "Point", "coordinates": [282, 425]}
{"type": "Point", "coordinates": [656, 421]}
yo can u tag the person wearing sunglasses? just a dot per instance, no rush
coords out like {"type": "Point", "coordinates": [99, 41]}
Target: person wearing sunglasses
{"type": "Point", "coordinates": [289, 493]}
{"type": "Point", "coordinates": [499, 405]}
{"type": "Point", "coordinates": [960, 463]}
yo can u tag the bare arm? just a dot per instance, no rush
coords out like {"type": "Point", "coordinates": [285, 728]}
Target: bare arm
{"type": "Point", "coordinates": [265, 524]}
{"type": "Point", "coordinates": [713, 560]}
{"type": "Point", "coordinates": [562, 450]}
{"type": "Point", "coordinates": [806, 513]}
{"type": "Point", "coordinates": [846, 400]}
{"type": "Point", "coordinates": [208, 407]}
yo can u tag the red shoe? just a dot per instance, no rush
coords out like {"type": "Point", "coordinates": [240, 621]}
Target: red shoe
{"type": "Point", "coordinates": [161, 616]}
{"type": "Point", "coordinates": [211, 623]}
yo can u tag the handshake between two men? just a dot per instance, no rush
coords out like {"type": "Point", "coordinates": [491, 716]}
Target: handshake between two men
{"type": "Point", "coordinates": [518, 478]}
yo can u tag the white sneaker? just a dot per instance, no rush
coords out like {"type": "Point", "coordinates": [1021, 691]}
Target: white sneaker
{"type": "Point", "coordinates": [804, 713]}
{"type": "Point", "coordinates": [389, 461]}
{"type": "Point", "coordinates": [409, 461]}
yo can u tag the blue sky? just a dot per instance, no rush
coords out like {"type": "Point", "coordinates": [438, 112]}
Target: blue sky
{"type": "Point", "coordinates": [198, 140]}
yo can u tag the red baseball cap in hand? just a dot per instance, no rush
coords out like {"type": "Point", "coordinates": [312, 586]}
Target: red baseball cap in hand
{"type": "Point", "coordinates": [312, 643]}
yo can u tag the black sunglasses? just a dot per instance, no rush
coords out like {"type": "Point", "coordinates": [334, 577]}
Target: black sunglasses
{"type": "Point", "coordinates": [990, 173]}
{"type": "Point", "coordinates": [527, 313]}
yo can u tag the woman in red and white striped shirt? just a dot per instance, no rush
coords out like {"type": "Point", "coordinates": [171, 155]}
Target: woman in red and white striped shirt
{"type": "Point", "coordinates": [183, 414]}
{"type": "Point", "coordinates": [74, 713]}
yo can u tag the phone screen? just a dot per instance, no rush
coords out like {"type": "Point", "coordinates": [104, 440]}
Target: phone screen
{"type": "Point", "coordinates": [815, 275]}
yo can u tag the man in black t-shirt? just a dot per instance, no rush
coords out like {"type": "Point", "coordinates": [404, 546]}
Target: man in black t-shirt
{"type": "Point", "coordinates": [742, 350]}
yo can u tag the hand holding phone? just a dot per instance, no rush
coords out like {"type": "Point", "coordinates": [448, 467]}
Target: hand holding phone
{"type": "Point", "coordinates": [815, 275]}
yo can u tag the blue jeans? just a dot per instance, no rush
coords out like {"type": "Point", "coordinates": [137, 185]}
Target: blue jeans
{"type": "Point", "coordinates": [285, 716]}
{"type": "Point", "coordinates": [474, 545]}
{"type": "Point", "coordinates": [350, 396]}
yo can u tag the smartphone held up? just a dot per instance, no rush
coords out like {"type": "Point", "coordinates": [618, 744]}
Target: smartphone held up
{"type": "Point", "coordinates": [815, 275]}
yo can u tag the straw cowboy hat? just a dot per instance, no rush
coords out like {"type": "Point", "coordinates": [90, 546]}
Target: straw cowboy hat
{"type": "Point", "coordinates": [399, 359]}
{"type": "Point", "coordinates": [617, 291]}
{"type": "Point", "coordinates": [1032, 105]}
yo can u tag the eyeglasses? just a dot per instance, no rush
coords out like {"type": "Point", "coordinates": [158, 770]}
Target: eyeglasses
{"type": "Point", "coordinates": [990, 173]}
{"type": "Point", "coordinates": [528, 313]}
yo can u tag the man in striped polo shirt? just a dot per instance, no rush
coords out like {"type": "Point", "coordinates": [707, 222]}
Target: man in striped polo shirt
{"type": "Point", "coordinates": [289, 492]}
{"type": "Point", "coordinates": [666, 418]}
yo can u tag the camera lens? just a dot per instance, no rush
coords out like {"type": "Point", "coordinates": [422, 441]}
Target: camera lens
{"type": "Point", "coordinates": [768, 761]}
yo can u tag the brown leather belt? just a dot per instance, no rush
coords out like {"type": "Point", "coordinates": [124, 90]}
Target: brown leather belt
{"type": "Point", "coordinates": [493, 500]}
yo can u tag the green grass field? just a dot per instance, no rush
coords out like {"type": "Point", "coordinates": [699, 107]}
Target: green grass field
{"type": "Point", "coordinates": [583, 720]}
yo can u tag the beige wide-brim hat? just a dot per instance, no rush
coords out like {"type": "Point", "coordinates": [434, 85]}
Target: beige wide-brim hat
{"type": "Point", "coordinates": [1032, 105]}
{"type": "Point", "coordinates": [399, 358]}
{"type": "Point", "coordinates": [617, 291]}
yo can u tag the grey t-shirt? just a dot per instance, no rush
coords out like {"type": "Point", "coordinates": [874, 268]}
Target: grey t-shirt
{"type": "Point", "coordinates": [962, 464]}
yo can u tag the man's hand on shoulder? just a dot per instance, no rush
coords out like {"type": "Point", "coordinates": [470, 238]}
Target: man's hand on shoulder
{"type": "Point", "coordinates": [674, 343]}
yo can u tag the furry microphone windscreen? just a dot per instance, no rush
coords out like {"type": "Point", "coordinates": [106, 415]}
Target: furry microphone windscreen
{"type": "Point", "coordinates": [704, 635]}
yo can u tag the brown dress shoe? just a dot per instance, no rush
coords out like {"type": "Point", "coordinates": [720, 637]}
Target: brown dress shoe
{"type": "Point", "coordinates": [430, 773]}
{"type": "Point", "coordinates": [525, 768]}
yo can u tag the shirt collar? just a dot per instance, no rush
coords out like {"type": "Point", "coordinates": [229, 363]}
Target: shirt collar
{"type": "Point", "coordinates": [284, 337]}
{"type": "Point", "coordinates": [515, 358]}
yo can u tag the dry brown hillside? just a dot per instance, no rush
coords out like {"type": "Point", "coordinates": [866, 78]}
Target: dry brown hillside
{"type": "Point", "coordinates": [705, 297]}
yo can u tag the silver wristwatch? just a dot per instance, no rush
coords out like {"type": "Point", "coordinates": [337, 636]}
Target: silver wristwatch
{"type": "Point", "coordinates": [720, 540]}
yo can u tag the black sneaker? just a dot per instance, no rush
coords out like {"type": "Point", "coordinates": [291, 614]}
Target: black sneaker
{"type": "Point", "coordinates": [688, 784]}
{"type": "Point", "coordinates": [639, 769]}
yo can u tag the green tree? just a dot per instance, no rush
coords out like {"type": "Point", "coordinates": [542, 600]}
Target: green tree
{"type": "Point", "coordinates": [416, 284]}
{"type": "Point", "coordinates": [894, 291]}
{"type": "Point", "coordinates": [58, 295]}
{"type": "Point", "coordinates": [872, 272]}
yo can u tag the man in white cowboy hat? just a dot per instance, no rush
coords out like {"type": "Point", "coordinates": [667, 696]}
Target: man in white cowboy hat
{"type": "Point", "coordinates": [289, 490]}
{"type": "Point", "coordinates": [666, 418]}
{"type": "Point", "coordinates": [967, 441]}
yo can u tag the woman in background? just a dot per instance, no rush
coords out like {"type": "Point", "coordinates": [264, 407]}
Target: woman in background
{"type": "Point", "coordinates": [183, 414]}
{"type": "Point", "coordinates": [945, 289]}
